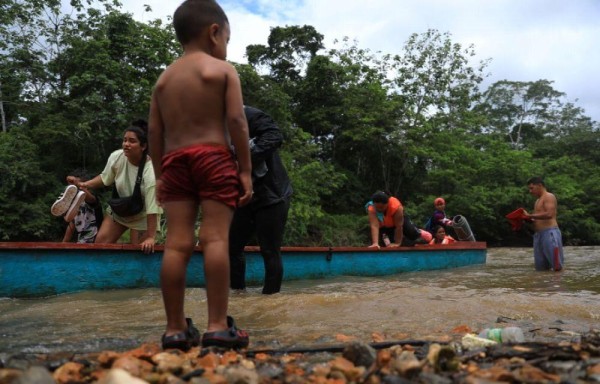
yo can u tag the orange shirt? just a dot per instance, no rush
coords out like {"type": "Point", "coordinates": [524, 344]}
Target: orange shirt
{"type": "Point", "coordinates": [447, 240]}
{"type": "Point", "coordinates": [388, 217]}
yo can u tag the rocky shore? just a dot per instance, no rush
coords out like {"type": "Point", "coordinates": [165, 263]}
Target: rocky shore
{"type": "Point", "coordinates": [448, 359]}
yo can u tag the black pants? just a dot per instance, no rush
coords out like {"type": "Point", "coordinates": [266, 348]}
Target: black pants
{"type": "Point", "coordinates": [410, 232]}
{"type": "Point", "coordinates": [268, 223]}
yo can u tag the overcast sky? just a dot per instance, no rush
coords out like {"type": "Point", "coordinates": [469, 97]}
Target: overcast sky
{"type": "Point", "coordinates": [527, 40]}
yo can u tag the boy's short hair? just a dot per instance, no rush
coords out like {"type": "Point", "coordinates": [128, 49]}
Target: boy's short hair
{"type": "Point", "coordinates": [192, 16]}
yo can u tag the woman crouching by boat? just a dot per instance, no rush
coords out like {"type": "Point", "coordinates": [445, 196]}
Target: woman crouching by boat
{"type": "Point", "coordinates": [132, 207]}
{"type": "Point", "coordinates": [390, 226]}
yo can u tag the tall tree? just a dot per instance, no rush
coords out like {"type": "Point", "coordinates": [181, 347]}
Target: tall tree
{"type": "Point", "coordinates": [522, 112]}
{"type": "Point", "coordinates": [288, 52]}
{"type": "Point", "coordinates": [436, 87]}
{"type": "Point", "coordinates": [345, 102]}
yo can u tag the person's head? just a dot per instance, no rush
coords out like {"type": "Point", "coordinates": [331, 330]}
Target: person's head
{"type": "Point", "coordinates": [205, 23]}
{"type": "Point", "coordinates": [439, 204]}
{"type": "Point", "coordinates": [380, 201]}
{"type": "Point", "coordinates": [135, 139]}
{"type": "Point", "coordinates": [79, 175]}
{"type": "Point", "coordinates": [536, 186]}
{"type": "Point", "coordinates": [439, 232]}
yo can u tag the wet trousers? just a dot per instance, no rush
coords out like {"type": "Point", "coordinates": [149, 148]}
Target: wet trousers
{"type": "Point", "coordinates": [268, 224]}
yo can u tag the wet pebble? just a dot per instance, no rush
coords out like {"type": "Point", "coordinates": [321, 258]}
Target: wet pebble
{"type": "Point", "coordinates": [360, 354]}
{"type": "Point", "coordinates": [35, 375]}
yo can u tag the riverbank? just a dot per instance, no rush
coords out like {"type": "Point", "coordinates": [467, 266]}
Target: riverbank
{"type": "Point", "coordinates": [567, 357]}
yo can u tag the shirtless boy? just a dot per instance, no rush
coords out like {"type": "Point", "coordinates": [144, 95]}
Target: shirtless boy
{"type": "Point", "coordinates": [195, 102]}
{"type": "Point", "coordinates": [547, 241]}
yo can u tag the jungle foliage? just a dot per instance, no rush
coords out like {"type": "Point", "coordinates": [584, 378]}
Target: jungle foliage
{"type": "Point", "coordinates": [415, 123]}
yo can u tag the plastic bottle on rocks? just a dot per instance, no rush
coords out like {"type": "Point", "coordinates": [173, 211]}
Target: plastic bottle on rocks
{"type": "Point", "coordinates": [503, 335]}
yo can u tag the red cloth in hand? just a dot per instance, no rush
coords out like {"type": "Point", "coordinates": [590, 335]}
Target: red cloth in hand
{"type": "Point", "coordinates": [516, 218]}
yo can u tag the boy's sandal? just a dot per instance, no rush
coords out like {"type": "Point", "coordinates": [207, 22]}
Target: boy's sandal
{"type": "Point", "coordinates": [64, 201]}
{"type": "Point", "coordinates": [230, 338]}
{"type": "Point", "coordinates": [182, 340]}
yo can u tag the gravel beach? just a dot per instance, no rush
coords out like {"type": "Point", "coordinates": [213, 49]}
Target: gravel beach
{"type": "Point", "coordinates": [565, 358]}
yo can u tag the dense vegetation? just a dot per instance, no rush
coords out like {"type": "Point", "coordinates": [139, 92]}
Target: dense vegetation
{"type": "Point", "coordinates": [415, 123]}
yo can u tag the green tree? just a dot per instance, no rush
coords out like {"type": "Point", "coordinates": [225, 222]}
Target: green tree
{"type": "Point", "coordinates": [288, 52]}
{"type": "Point", "coordinates": [75, 81]}
{"type": "Point", "coordinates": [437, 88]}
{"type": "Point", "coordinates": [523, 112]}
{"type": "Point", "coordinates": [23, 190]}
{"type": "Point", "coordinates": [344, 101]}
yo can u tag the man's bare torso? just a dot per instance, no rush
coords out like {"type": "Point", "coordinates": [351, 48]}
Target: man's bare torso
{"type": "Point", "coordinates": [545, 203]}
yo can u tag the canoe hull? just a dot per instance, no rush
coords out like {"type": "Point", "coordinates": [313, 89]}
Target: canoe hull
{"type": "Point", "coordinates": [46, 269]}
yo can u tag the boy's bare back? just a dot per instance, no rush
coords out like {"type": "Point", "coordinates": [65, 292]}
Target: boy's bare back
{"type": "Point", "coordinates": [195, 96]}
{"type": "Point", "coordinates": [198, 99]}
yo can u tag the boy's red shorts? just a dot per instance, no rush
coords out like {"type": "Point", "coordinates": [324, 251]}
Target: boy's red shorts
{"type": "Point", "coordinates": [202, 171]}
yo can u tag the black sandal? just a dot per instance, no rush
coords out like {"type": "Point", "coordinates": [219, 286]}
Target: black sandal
{"type": "Point", "coordinates": [183, 340]}
{"type": "Point", "coordinates": [231, 338]}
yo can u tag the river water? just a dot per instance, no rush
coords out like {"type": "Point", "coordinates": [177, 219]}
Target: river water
{"type": "Point", "coordinates": [415, 305]}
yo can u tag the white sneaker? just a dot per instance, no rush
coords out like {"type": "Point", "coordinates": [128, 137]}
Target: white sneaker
{"type": "Point", "coordinates": [62, 204]}
{"type": "Point", "coordinates": [74, 208]}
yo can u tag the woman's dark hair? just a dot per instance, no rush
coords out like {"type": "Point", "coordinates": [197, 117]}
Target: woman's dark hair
{"type": "Point", "coordinates": [436, 229]}
{"type": "Point", "coordinates": [380, 197]}
{"type": "Point", "coordinates": [140, 128]}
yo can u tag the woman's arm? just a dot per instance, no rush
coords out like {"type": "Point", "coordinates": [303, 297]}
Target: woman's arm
{"type": "Point", "coordinates": [148, 243]}
{"type": "Point", "coordinates": [374, 223]}
{"type": "Point", "coordinates": [399, 230]}
{"type": "Point", "coordinates": [94, 183]}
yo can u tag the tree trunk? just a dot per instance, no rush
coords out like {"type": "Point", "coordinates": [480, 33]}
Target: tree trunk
{"type": "Point", "coordinates": [2, 111]}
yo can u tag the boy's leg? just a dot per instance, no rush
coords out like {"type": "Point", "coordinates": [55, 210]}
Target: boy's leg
{"type": "Point", "coordinates": [110, 231]}
{"type": "Point", "coordinates": [181, 217]}
{"type": "Point", "coordinates": [214, 237]}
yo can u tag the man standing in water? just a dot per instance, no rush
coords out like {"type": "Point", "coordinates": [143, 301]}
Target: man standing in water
{"type": "Point", "coordinates": [547, 240]}
{"type": "Point", "coordinates": [266, 214]}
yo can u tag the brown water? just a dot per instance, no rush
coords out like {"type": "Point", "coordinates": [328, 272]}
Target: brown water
{"type": "Point", "coordinates": [411, 305]}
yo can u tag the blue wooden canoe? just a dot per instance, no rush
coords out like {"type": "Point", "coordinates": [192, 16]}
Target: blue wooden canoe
{"type": "Point", "coordinates": [45, 269]}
